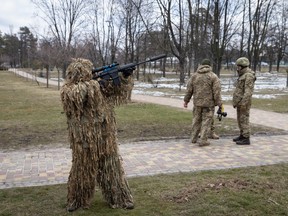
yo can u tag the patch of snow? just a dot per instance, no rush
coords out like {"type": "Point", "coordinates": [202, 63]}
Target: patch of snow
{"type": "Point", "coordinates": [267, 81]}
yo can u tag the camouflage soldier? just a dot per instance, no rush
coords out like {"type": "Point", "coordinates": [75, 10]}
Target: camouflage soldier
{"type": "Point", "coordinates": [205, 87]}
{"type": "Point", "coordinates": [92, 136]}
{"type": "Point", "coordinates": [242, 97]}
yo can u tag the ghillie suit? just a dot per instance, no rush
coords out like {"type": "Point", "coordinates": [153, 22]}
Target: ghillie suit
{"type": "Point", "coordinates": [89, 108]}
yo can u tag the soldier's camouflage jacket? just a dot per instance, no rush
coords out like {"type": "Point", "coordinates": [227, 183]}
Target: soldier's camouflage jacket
{"type": "Point", "coordinates": [244, 87]}
{"type": "Point", "coordinates": [205, 87]}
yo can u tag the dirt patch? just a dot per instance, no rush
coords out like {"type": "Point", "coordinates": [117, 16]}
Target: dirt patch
{"type": "Point", "coordinates": [26, 137]}
{"type": "Point", "coordinates": [194, 189]}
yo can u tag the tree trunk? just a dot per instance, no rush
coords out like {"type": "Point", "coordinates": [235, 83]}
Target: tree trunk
{"type": "Point", "coordinates": [287, 79]}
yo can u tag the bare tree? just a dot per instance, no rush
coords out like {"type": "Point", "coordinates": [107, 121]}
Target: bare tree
{"type": "Point", "coordinates": [65, 19]}
{"type": "Point", "coordinates": [200, 22]}
{"type": "Point", "coordinates": [224, 28]}
{"type": "Point", "coordinates": [129, 30]}
{"type": "Point", "coordinates": [132, 26]}
{"type": "Point", "coordinates": [258, 21]}
{"type": "Point", "coordinates": [175, 14]}
{"type": "Point", "coordinates": [106, 31]}
{"type": "Point", "coordinates": [281, 32]}
{"type": "Point", "coordinates": [149, 39]}
{"type": "Point", "coordinates": [49, 56]}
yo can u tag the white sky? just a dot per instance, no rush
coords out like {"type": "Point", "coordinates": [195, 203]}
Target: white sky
{"type": "Point", "coordinates": [17, 13]}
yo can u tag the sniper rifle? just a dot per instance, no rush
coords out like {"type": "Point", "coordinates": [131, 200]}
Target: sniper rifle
{"type": "Point", "coordinates": [110, 72]}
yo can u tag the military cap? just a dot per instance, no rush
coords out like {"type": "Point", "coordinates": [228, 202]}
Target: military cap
{"type": "Point", "coordinates": [206, 62]}
{"type": "Point", "coordinates": [243, 61]}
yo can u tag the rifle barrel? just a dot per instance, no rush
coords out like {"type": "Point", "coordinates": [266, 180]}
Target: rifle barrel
{"type": "Point", "coordinates": [153, 59]}
{"type": "Point", "coordinates": [158, 57]}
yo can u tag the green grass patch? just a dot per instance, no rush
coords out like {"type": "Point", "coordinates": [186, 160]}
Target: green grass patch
{"type": "Point", "coordinates": [279, 104]}
{"type": "Point", "coordinates": [29, 114]}
{"type": "Point", "coordinates": [257, 191]}
{"type": "Point", "coordinates": [140, 121]}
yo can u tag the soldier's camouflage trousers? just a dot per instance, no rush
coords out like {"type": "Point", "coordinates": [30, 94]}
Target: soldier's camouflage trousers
{"type": "Point", "coordinates": [202, 118]}
{"type": "Point", "coordinates": [212, 128]}
{"type": "Point", "coordinates": [243, 114]}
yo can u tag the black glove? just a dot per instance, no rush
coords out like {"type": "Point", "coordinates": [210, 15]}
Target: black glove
{"type": "Point", "coordinates": [103, 83]}
{"type": "Point", "coordinates": [127, 72]}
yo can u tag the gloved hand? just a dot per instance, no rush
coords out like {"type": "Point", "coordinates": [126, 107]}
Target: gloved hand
{"type": "Point", "coordinates": [185, 104]}
{"type": "Point", "coordinates": [103, 83]}
{"type": "Point", "coordinates": [127, 72]}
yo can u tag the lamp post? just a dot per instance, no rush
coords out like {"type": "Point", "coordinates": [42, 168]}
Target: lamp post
{"type": "Point", "coordinates": [19, 55]}
{"type": "Point", "coordinates": [287, 78]}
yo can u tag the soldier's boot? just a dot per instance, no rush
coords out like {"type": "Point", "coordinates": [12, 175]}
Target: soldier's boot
{"type": "Point", "coordinates": [194, 139]}
{"type": "Point", "coordinates": [238, 138]}
{"type": "Point", "coordinates": [213, 136]}
{"type": "Point", "coordinates": [72, 207]}
{"type": "Point", "coordinates": [243, 141]}
{"type": "Point", "coordinates": [204, 143]}
{"type": "Point", "coordinates": [129, 205]}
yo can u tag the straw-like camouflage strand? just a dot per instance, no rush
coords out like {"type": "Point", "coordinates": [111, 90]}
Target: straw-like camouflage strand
{"type": "Point", "coordinates": [117, 95]}
{"type": "Point", "coordinates": [92, 135]}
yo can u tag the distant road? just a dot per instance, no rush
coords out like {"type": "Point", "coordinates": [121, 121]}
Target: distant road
{"type": "Point", "coordinates": [37, 79]}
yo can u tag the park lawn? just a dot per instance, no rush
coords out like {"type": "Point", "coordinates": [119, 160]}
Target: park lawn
{"type": "Point", "coordinates": [257, 191]}
{"type": "Point", "coordinates": [279, 104]}
{"type": "Point", "coordinates": [32, 115]}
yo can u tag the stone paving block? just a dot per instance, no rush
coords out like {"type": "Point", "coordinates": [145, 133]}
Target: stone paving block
{"type": "Point", "coordinates": [52, 166]}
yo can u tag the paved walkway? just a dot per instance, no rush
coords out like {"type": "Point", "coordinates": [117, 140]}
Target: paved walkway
{"type": "Point", "coordinates": [51, 166]}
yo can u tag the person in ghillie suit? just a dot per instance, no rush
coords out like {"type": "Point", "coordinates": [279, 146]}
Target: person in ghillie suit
{"type": "Point", "coordinates": [89, 108]}
{"type": "Point", "coordinates": [205, 87]}
{"type": "Point", "coordinates": [242, 99]}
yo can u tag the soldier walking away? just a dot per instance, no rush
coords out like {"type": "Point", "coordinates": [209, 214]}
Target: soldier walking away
{"type": "Point", "coordinates": [89, 108]}
{"type": "Point", "coordinates": [205, 87]}
{"type": "Point", "coordinates": [242, 98]}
